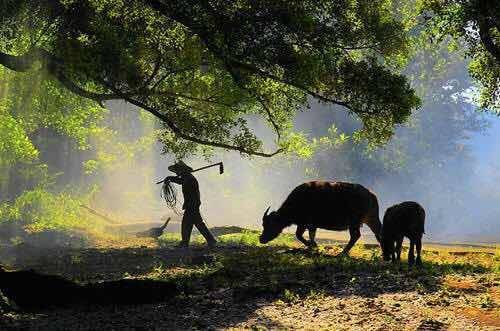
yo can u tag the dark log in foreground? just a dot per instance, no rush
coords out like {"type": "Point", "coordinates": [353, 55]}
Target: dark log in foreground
{"type": "Point", "coordinates": [30, 290]}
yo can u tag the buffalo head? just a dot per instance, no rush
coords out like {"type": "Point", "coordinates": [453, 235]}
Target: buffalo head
{"type": "Point", "coordinates": [272, 226]}
{"type": "Point", "coordinates": [388, 248]}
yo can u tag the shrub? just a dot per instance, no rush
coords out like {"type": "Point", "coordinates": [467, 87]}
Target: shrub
{"type": "Point", "coordinates": [39, 210]}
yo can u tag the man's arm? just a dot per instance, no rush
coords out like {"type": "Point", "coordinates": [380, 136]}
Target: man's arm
{"type": "Point", "coordinates": [174, 179]}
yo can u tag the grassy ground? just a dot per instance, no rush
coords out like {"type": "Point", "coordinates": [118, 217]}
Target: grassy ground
{"type": "Point", "coordinates": [243, 284]}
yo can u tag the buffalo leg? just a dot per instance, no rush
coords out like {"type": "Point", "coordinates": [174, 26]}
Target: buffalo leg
{"type": "Point", "coordinates": [393, 254]}
{"type": "Point", "coordinates": [312, 236]}
{"type": "Point", "coordinates": [418, 244]}
{"type": "Point", "coordinates": [300, 235]}
{"type": "Point", "coordinates": [411, 254]}
{"type": "Point", "coordinates": [399, 245]}
{"type": "Point", "coordinates": [375, 229]}
{"type": "Point", "coordinates": [355, 234]}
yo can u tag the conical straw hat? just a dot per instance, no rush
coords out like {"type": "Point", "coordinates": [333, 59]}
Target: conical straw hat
{"type": "Point", "coordinates": [180, 167]}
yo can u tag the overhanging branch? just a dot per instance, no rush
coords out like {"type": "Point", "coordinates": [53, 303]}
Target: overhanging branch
{"type": "Point", "coordinates": [55, 67]}
{"type": "Point", "coordinates": [266, 74]}
{"type": "Point", "coordinates": [20, 63]}
{"type": "Point", "coordinates": [487, 39]}
{"type": "Point", "coordinates": [164, 9]}
{"type": "Point", "coordinates": [178, 132]}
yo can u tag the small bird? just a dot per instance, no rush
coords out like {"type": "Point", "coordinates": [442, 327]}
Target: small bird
{"type": "Point", "coordinates": [153, 232]}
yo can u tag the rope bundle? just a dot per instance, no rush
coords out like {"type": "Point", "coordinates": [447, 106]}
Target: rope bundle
{"type": "Point", "coordinates": [170, 196]}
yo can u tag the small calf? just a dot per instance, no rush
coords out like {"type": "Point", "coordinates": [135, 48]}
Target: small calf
{"type": "Point", "coordinates": [403, 220]}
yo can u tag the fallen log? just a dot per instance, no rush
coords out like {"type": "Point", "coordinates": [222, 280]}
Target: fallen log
{"type": "Point", "coordinates": [32, 291]}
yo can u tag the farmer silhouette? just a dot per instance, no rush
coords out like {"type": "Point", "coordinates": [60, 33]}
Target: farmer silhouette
{"type": "Point", "coordinates": [191, 206]}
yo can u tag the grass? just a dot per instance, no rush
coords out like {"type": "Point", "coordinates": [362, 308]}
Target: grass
{"type": "Point", "coordinates": [244, 237]}
{"type": "Point", "coordinates": [251, 268]}
{"type": "Point", "coordinates": [441, 258]}
{"type": "Point", "coordinates": [242, 273]}
{"type": "Point", "coordinates": [288, 271]}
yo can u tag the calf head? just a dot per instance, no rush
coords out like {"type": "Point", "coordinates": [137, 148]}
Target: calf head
{"type": "Point", "coordinates": [272, 226]}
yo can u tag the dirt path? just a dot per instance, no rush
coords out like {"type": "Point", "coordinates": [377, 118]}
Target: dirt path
{"type": "Point", "coordinates": [227, 294]}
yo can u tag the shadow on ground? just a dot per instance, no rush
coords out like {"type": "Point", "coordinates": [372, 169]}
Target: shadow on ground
{"type": "Point", "coordinates": [195, 288]}
{"type": "Point", "coordinates": [31, 291]}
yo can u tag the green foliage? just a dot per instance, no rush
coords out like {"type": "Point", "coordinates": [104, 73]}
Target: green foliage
{"type": "Point", "coordinates": [42, 124]}
{"type": "Point", "coordinates": [39, 210]}
{"type": "Point", "coordinates": [35, 115]}
{"type": "Point", "coordinates": [289, 296]}
{"type": "Point", "coordinates": [246, 238]}
{"type": "Point", "coordinates": [475, 24]}
{"type": "Point", "coordinates": [33, 102]}
{"type": "Point", "coordinates": [292, 274]}
{"type": "Point", "coordinates": [15, 145]}
{"type": "Point", "coordinates": [486, 71]}
{"type": "Point", "coordinates": [114, 152]}
{"type": "Point", "coordinates": [203, 68]}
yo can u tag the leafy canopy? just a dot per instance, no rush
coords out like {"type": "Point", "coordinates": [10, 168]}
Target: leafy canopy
{"type": "Point", "coordinates": [205, 67]}
{"type": "Point", "coordinates": [30, 103]}
{"type": "Point", "coordinates": [477, 24]}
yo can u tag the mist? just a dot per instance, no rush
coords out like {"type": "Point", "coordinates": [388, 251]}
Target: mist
{"type": "Point", "coordinates": [460, 194]}
{"type": "Point", "coordinates": [445, 158]}
{"type": "Point", "coordinates": [456, 183]}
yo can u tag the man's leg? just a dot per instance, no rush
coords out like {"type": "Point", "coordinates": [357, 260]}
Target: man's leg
{"type": "Point", "coordinates": [203, 229]}
{"type": "Point", "coordinates": [186, 229]}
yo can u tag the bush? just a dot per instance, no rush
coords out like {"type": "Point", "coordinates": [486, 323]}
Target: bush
{"type": "Point", "coordinates": [39, 210]}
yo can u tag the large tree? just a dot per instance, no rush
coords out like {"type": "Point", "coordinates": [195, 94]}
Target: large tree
{"type": "Point", "coordinates": [475, 24]}
{"type": "Point", "coordinates": [201, 66]}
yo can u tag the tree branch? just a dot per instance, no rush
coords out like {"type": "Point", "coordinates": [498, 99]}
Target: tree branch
{"type": "Point", "coordinates": [54, 67]}
{"type": "Point", "coordinates": [164, 9]}
{"type": "Point", "coordinates": [18, 63]}
{"type": "Point", "coordinates": [486, 38]}
{"type": "Point", "coordinates": [23, 63]}
{"type": "Point", "coordinates": [178, 132]}
{"type": "Point", "coordinates": [299, 86]}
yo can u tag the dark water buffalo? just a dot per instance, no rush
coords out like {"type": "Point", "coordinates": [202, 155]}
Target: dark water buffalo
{"type": "Point", "coordinates": [333, 206]}
{"type": "Point", "coordinates": [406, 219]}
